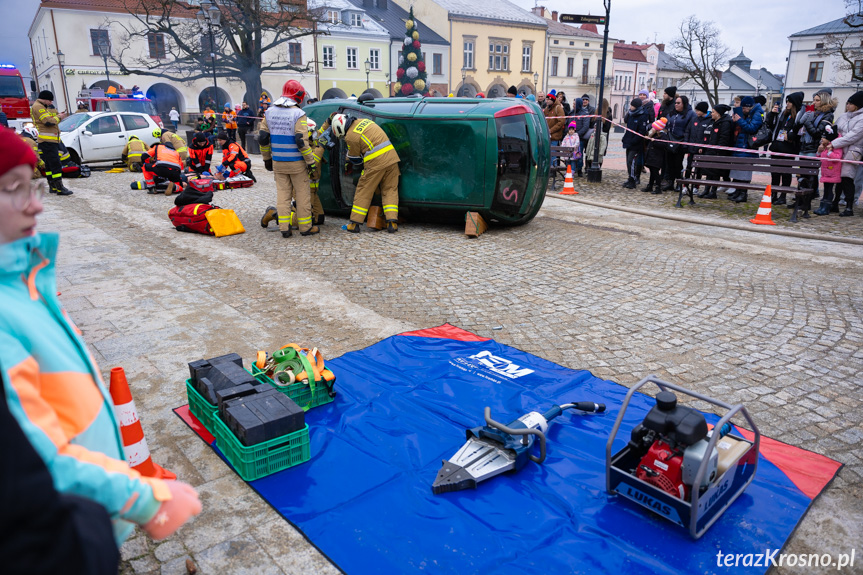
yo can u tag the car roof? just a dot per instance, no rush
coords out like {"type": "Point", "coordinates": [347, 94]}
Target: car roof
{"type": "Point", "coordinates": [439, 107]}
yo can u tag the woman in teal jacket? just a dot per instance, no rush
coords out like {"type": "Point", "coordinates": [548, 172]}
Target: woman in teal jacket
{"type": "Point", "coordinates": [53, 386]}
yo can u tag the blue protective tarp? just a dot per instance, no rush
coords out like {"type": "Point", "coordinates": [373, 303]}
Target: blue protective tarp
{"type": "Point", "coordinates": [365, 500]}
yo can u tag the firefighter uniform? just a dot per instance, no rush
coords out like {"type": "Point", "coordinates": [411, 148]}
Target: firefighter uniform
{"type": "Point", "coordinates": [367, 142]}
{"type": "Point", "coordinates": [34, 145]}
{"type": "Point", "coordinates": [47, 120]}
{"type": "Point", "coordinates": [315, 176]}
{"type": "Point", "coordinates": [178, 143]}
{"type": "Point", "coordinates": [132, 153]}
{"type": "Point", "coordinates": [291, 157]}
{"type": "Point", "coordinates": [200, 153]}
{"type": "Point", "coordinates": [229, 119]}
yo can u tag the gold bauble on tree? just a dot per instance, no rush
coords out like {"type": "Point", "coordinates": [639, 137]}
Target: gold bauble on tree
{"type": "Point", "coordinates": [397, 87]}
{"type": "Point", "coordinates": [412, 57]}
{"type": "Point", "coordinates": [415, 35]}
{"type": "Point", "coordinates": [419, 85]}
{"type": "Point", "coordinates": [409, 24]}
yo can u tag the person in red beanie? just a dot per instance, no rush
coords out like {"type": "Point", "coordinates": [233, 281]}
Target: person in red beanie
{"type": "Point", "coordinates": [55, 394]}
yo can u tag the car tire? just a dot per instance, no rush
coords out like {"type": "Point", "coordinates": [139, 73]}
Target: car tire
{"type": "Point", "coordinates": [73, 155]}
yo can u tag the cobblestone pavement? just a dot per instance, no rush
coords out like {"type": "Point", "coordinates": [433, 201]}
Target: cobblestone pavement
{"type": "Point", "coordinates": [774, 322]}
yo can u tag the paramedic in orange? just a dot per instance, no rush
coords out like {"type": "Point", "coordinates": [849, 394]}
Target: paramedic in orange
{"type": "Point", "coordinates": [229, 119]}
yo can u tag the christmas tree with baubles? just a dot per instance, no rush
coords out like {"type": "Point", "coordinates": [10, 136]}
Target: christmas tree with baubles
{"type": "Point", "coordinates": [411, 75]}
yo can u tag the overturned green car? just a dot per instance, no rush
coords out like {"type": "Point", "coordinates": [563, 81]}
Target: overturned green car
{"type": "Point", "coordinates": [457, 155]}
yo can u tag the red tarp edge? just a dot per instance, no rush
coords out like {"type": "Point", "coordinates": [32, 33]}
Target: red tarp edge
{"type": "Point", "coordinates": [447, 331]}
{"type": "Point", "coordinates": [186, 415]}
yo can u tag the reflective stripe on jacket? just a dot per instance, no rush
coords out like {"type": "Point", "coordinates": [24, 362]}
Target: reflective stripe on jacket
{"type": "Point", "coordinates": [283, 124]}
{"type": "Point", "coordinates": [46, 120]}
{"type": "Point", "coordinates": [178, 143]}
{"type": "Point", "coordinates": [365, 138]}
{"type": "Point", "coordinates": [162, 154]}
{"type": "Point", "coordinates": [55, 391]}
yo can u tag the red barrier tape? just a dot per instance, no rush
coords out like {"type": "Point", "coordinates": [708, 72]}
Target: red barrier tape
{"type": "Point", "coordinates": [726, 148]}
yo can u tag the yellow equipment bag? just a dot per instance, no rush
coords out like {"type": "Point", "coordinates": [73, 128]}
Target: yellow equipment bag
{"type": "Point", "coordinates": [224, 222]}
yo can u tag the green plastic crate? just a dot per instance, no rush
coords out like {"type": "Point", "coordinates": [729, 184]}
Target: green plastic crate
{"type": "Point", "coordinates": [201, 408]}
{"type": "Point", "coordinates": [299, 392]}
{"type": "Point", "coordinates": [264, 458]}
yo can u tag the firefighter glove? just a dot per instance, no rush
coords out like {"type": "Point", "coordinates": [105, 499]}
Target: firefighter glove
{"type": "Point", "coordinates": [268, 164]}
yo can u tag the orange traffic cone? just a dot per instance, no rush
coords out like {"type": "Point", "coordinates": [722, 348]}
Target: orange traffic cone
{"type": "Point", "coordinates": [568, 189]}
{"type": "Point", "coordinates": [134, 442]}
{"type": "Point", "coordinates": [763, 215]}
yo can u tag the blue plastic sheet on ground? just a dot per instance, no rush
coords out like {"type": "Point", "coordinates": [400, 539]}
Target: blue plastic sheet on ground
{"type": "Point", "coordinates": [365, 500]}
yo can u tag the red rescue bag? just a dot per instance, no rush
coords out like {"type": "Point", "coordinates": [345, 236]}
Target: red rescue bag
{"type": "Point", "coordinates": [202, 185]}
{"type": "Point", "coordinates": [192, 218]}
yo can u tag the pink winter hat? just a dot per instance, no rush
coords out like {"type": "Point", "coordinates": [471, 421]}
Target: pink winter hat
{"type": "Point", "coordinates": [659, 124]}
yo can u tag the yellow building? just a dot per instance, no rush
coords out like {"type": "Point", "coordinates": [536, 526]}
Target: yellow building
{"type": "Point", "coordinates": [493, 45]}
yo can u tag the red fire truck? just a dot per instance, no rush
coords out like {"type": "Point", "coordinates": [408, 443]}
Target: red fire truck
{"type": "Point", "coordinates": [13, 96]}
{"type": "Point", "coordinates": [121, 101]}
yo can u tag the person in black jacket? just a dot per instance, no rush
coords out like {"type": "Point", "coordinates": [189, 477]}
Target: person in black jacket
{"type": "Point", "coordinates": [654, 157]}
{"type": "Point", "coordinates": [679, 120]}
{"type": "Point", "coordinates": [813, 125]}
{"type": "Point", "coordinates": [636, 120]}
{"type": "Point", "coordinates": [697, 134]}
{"type": "Point", "coordinates": [245, 123]}
{"type": "Point", "coordinates": [785, 139]}
{"type": "Point", "coordinates": [721, 134]}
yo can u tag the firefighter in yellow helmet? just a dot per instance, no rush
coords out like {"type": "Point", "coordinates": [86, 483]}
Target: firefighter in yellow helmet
{"type": "Point", "coordinates": [179, 143]}
{"type": "Point", "coordinates": [369, 149]}
{"type": "Point", "coordinates": [132, 153]}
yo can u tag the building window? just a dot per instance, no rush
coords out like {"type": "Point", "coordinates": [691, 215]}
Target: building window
{"type": "Point", "coordinates": [555, 41]}
{"type": "Point", "coordinates": [570, 67]}
{"type": "Point", "coordinates": [333, 16]}
{"type": "Point", "coordinates": [815, 70]}
{"type": "Point", "coordinates": [437, 63]}
{"type": "Point", "coordinates": [295, 53]}
{"type": "Point", "coordinates": [356, 20]}
{"type": "Point", "coordinates": [157, 45]}
{"type": "Point", "coordinates": [329, 57]}
{"type": "Point", "coordinates": [498, 56]}
{"type": "Point", "coordinates": [352, 59]}
{"type": "Point", "coordinates": [585, 70]}
{"type": "Point", "coordinates": [96, 38]}
{"type": "Point", "coordinates": [553, 68]}
{"type": "Point", "coordinates": [468, 55]}
{"type": "Point", "coordinates": [525, 58]}
{"type": "Point", "coordinates": [858, 69]}
{"type": "Point", "coordinates": [572, 43]}
{"type": "Point", "coordinates": [587, 44]}
{"type": "Point", "coordinates": [819, 45]}
{"type": "Point", "coordinates": [375, 58]}
{"type": "Point", "coordinates": [599, 67]}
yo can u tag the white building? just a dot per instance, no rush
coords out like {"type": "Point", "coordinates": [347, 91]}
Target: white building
{"type": "Point", "coordinates": [74, 28]}
{"type": "Point", "coordinates": [739, 80]}
{"type": "Point", "coordinates": [633, 70]}
{"type": "Point", "coordinates": [814, 64]}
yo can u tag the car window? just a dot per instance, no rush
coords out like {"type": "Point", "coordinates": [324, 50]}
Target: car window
{"type": "Point", "coordinates": [104, 125]}
{"type": "Point", "coordinates": [131, 122]}
{"type": "Point", "coordinates": [73, 121]}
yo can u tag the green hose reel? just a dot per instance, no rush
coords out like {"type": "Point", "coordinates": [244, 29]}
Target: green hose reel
{"type": "Point", "coordinates": [289, 364]}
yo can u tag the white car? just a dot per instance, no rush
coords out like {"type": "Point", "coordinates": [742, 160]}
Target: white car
{"type": "Point", "coordinates": [102, 136]}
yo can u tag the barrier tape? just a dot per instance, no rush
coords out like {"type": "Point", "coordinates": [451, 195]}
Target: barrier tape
{"type": "Point", "coordinates": [757, 152]}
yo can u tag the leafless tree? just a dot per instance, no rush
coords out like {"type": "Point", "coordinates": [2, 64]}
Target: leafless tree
{"type": "Point", "coordinates": [848, 47]}
{"type": "Point", "coordinates": [701, 55]}
{"type": "Point", "coordinates": [247, 30]}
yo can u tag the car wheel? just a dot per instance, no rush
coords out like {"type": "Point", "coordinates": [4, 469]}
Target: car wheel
{"type": "Point", "coordinates": [73, 155]}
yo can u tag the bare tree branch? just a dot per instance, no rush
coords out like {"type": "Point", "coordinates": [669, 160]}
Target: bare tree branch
{"type": "Point", "coordinates": [701, 55]}
{"type": "Point", "coordinates": [247, 30]}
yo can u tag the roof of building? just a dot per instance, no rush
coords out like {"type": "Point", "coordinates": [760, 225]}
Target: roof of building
{"type": "Point", "coordinates": [734, 82]}
{"type": "Point", "coordinates": [628, 52]}
{"type": "Point", "coordinates": [768, 79]}
{"type": "Point", "coordinates": [393, 18]}
{"type": "Point", "coordinates": [370, 25]}
{"type": "Point", "coordinates": [838, 26]}
{"type": "Point", "coordinates": [740, 58]}
{"type": "Point", "coordinates": [111, 6]}
{"type": "Point", "coordinates": [561, 29]}
{"type": "Point", "coordinates": [590, 28]}
{"type": "Point", "coordinates": [500, 10]}
{"type": "Point", "coordinates": [666, 62]}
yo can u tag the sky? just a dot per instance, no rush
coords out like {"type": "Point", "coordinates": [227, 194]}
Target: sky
{"type": "Point", "coordinates": [760, 29]}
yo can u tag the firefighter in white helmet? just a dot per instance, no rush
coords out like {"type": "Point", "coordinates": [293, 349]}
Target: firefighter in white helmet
{"type": "Point", "coordinates": [370, 150]}
{"type": "Point", "coordinates": [288, 135]}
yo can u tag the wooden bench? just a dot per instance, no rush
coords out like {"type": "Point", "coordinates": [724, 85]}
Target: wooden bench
{"type": "Point", "coordinates": [799, 166]}
{"type": "Point", "coordinates": [559, 155]}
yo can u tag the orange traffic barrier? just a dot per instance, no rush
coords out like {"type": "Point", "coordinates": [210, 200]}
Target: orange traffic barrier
{"type": "Point", "coordinates": [134, 442]}
{"type": "Point", "coordinates": [568, 189]}
{"type": "Point", "coordinates": [764, 210]}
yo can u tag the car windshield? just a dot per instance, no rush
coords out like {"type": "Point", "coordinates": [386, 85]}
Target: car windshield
{"type": "Point", "coordinates": [140, 106]}
{"type": "Point", "coordinates": [72, 122]}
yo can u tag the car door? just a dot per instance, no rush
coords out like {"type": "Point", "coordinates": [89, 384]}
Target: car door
{"type": "Point", "coordinates": [102, 139]}
{"type": "Point", "coordinates": [138, 125]}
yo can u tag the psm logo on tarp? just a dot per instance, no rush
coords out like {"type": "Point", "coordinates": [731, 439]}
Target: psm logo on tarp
{"type": "Point", "coordinates": [500, 365]}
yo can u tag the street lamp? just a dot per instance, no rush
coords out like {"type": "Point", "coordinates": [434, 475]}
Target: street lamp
{"type": "Point", "coordinates": [368, 69]}
{"type": "Point", "coordinates": [535, 80]}
{"type": "Point", "coordinates": [61, 59]}
{"type": "Point", "coordinates": [104, 50]}
{"type": "Point", "coordinates": [463, 76]}
{"type": "Point", "coordinates": [210, 15]}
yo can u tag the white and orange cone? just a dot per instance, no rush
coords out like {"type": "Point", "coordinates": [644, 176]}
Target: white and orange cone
{"type": "Point", "coordinates": [764, 210]}
{"type": "Point", "coordinates": [568, 188]}
{"type": "Point", "coordinates": [134, 442]}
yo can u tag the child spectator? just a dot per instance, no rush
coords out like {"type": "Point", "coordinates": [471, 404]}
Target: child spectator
{"type": "Point", "coordinates": [571, 140]}
{"type": "Point", "coordinates": [654, 159]}
{"type": "Point", "coordinates": [831, 173]}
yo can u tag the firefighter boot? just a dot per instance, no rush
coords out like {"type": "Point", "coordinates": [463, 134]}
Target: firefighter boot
{"type": "Point", "coordinates": [287, 234]}
{"type": "Point", "coordinates": [392, 226]}
{"type": "Point", "coordinates": [352, 227]}
{"type": "Point", "coordinates": [319, 221]}
{"type": "Point", "coordinates": [250, 175]}
{"type": "Point", "coordinates": [269, 215]}
{"type": "Point", "coordinates": [59, 188]}
{"type": "Point", "coordinates": [311, 231]}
